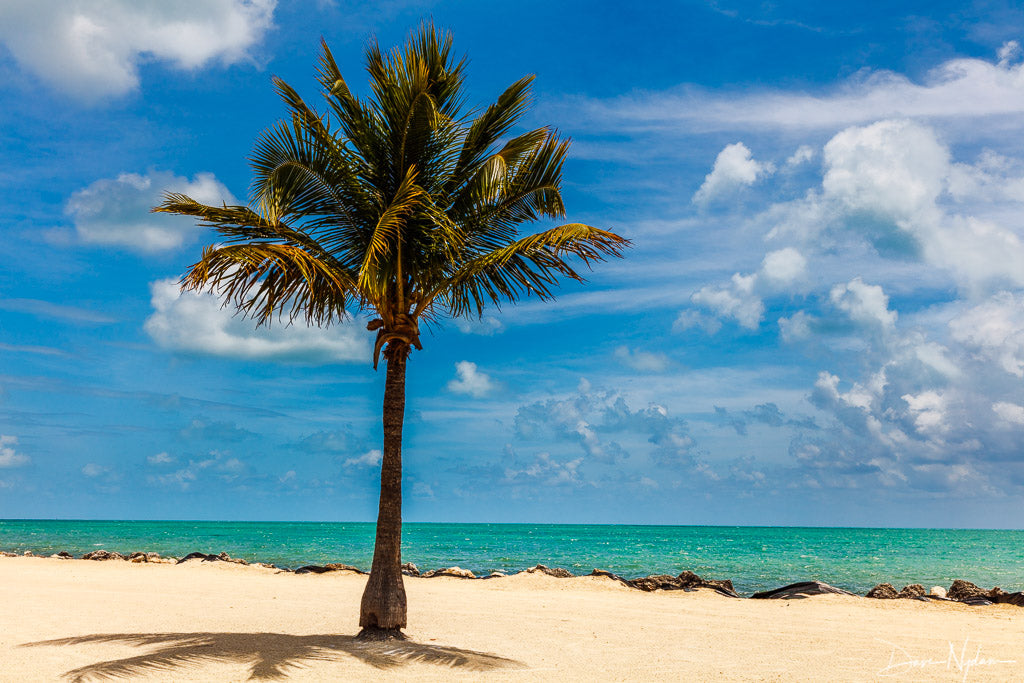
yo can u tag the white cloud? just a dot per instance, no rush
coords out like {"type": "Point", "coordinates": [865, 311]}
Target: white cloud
{"type": "Point", "coordinates": [994, 331]}
{"type": "Point", "coordinates": [737, 300]}
{"type": "Point", "coordinates": [796, 327]}
{"type": "Point", "coordinates": [116, 211]}
{"type": "Point", "coordinates": [893, 184]}
{"type": "Point", "coordinates": [691, 319]}
{"type": "Point", "coordinates": [548, 470]}
{"type": "Point", "coordinates": [93, 48]}
{"type": "Point", "coordinates": [957, 88]}
{"type": "Point", "coordinates": [193, 322]}
{"type": "Point", "coordinates": [742, 299]}
{"type": "Point", "coordinates": [929, 411]}
{"type": "Point", "coordinates": [160, 459]}
{"type": "Point", "coordinates": [225, 469]}
{"type": "Point", "coordinates": [783, 266]}
{"type": "Point", "coordinates": [866, 304]}
{"type": "Point", "coordinates": [93, 470]}
{"type": "Point", "coordinates": [894, 169]}
{"type": "Point", "coordinates": [1009, 412]}
{"type": "Point", "coordinates": [802, 155]}
{"type": "Point", "coordinates": [642, 361]}
{"type": "Point", "coordinates": [1009, 51]}
{"type": "Point", "coordinates": [734, 168]}
{"type": "Point", "coordinates": [469, 380]}
{"type": "Point", "coordinates": [487, 326]}
{"type": "Point", "coordinates": [9, 457]}
{"type": "Point", "coordinates": [369, 459]}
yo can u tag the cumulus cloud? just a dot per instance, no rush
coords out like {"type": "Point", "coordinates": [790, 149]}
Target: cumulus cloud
{"type": "Point", "coordinates": [469, 380]}
{"type": "Point", "coordinates": [642, 361]}
{"type": "Point", "coordinates": [891, 168]}
{"type": "Point", "coordinates": [737, 300]}
{"type": "Point", "coordinates": [994, 330]}
{"type": "Point", "coordinates": [1009, 412]}
{"type": "Point", "coordinates": [742, 299]}
{"type": "Point", "coordinates": [93, 48]}
{"type": "Point", "coordinates": [783, 266]}
{"type": "Point", "coordinates": [192, 322]}
{"type": "Point", "coordinates": [893, 184]}
{"type": "Point", "coordinates": [546, 470]}
{"type": "Point", "coordinates": [590, 417]}
{"type": "Point", "coordinates": [116, 211]}
{"type": "Point", "coordinates": [864, 303]}
{"type": "Point", "coordinates": [796, 327]}
{"type": "Point", "coordinates": [9, 457]}
{"type": "Point", "coordinates": [734, 168]}
{"type": "Point", "coordinates": [802, 155]}
{"type": "Point", "coordinates": [370, 458]}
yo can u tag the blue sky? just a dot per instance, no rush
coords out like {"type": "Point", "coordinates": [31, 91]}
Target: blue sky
{"type": "Point", "coordinates": [821, 320]}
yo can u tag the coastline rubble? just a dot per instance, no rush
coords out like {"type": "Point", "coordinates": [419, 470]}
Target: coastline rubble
{"type": "Point", "coordinates": [961, 590]}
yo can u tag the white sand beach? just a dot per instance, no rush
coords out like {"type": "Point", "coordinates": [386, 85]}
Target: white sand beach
{"type": "Point", "coordinates": [225, 622]}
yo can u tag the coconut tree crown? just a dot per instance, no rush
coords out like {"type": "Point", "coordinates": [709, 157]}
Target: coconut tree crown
{"type": "Point", "coordinates": [399, 203]}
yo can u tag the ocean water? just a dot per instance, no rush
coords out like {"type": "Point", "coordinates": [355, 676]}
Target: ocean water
{"type": "Point", "coordinates": [755, 558]}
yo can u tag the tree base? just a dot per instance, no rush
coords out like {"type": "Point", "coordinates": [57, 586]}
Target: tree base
{"type": "Point", "coordinates": [377, 634]}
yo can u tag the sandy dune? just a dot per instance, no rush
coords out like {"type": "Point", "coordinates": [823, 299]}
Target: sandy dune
{"type": "Point", "coordinates": [216, 621]}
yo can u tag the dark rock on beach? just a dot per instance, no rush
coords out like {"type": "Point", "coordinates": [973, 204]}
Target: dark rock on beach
{"type": "Point", "coordinates": [914, 590]}
{"type": "Point", "coordinates": [800, 590]}
{"type": "Point", "coordinates": [962, 590]}
{"type": "Point", "coordinates": [685, 581]}
{"type": "Point", "coordinates": [223, 557]}
{"type": "Point", "coordinates": [4, 553]}
{"type": "Point", "coordinates": [139, 557]}
{"type": "Point", "coordinates": [656, 582]}
{"type": "Point", "coordinates": [883, 591]}
{"type": "Point", "coordinates": [610, 575]}
{"type": "Point", "coordinates": [332, 567]}
{"type": "Point", "coordinates": [975, 600]}
{"type": "Point", "coordinates": [556, 572]}
{"type": "Point", "coordinates": [1008, 598]}
{"type": "Point", "coordinates": [103, 555]}
{"type": "Point", "coordinates": [409, 569]}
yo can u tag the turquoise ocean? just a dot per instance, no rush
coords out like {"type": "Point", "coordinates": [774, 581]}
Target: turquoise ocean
{"type": "Point", "coordinates": [755, 558]}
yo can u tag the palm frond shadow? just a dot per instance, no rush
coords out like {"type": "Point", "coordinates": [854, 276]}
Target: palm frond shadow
{"type": "Point", "coordinates": [270, 655]}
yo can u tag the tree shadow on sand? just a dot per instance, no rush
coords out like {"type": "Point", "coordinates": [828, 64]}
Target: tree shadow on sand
{"type": "Point", "coordinates": [270, 655]}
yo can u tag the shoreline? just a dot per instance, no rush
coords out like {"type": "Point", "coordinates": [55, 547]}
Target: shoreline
{"type": "Point", "coordinates": [91, 620]}
{"type": "Point", "coordinates": [960, 591]}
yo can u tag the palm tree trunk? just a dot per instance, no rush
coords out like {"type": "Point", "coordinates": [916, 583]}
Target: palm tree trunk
{"type": "Point", "coordinates": [382, 611]}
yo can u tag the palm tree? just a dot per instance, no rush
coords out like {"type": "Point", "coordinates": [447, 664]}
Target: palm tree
{"type": "Point", "coordinates": [403, 206]}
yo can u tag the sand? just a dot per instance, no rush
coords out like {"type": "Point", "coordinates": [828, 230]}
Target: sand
{"type": "Point", "coordinates": [214, 621]}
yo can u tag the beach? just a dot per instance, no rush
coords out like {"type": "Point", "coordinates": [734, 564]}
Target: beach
{"type": "Point", "coordinates": [88, 620]}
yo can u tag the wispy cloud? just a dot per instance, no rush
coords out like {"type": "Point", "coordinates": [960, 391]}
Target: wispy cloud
{"type": "Point", "coordinates": [955, 89]}
{"type": "Point", "coordinates": [48, 309]}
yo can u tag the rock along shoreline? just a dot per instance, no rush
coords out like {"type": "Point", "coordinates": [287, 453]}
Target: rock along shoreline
{"type": "Point", "coordinates": [961, 590]}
